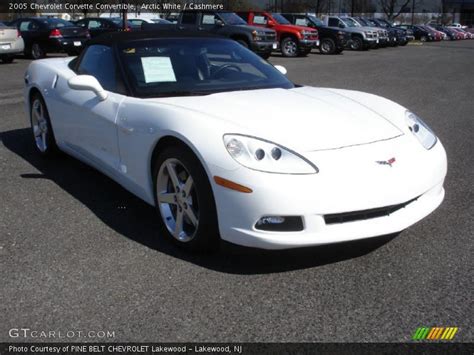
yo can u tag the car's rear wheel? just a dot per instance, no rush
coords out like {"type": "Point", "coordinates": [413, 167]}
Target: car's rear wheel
{"type": "Point", "coordinates": [36, 51]}
{"type": "Point", "coordinates": [184, 200]}
{"type": "Point", "coordinates": [289, 47]}
{"type": "Point", "coordinates": [41, 127]}
{"type": "Point", "coordinates": [7, 59]}
{"type": "Point", "coordinates": [327, 46]}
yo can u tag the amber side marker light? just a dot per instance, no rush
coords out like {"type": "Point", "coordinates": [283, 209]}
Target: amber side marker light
{"type": "Point", "coordinates": [231, 185]}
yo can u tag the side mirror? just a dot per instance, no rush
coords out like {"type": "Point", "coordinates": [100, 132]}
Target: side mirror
{"type": "Point", "coordinates": [281, 69]}
{"type": "Point", "coordinates": [87, 83]}
{"type": "Point", "coordinates": [271, 23]}
{"type": "Point", "coordinates": [341, 25]}
{"type": "Point", "coordinates": [218, 22]}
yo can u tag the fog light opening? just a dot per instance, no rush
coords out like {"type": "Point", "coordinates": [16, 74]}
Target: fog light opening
{"type": "Point", "coordinates": [280, 223]}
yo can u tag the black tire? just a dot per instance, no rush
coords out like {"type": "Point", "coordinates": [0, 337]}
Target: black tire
{"type": "Point", "coordinates": [289, 47]}
{"type": "Point", "coordinates": [265, 55]}
{"type": "Point", "coordinates": [205, 236]}
{"type": "Point", "coordinates": [37, 51]}
{"type": "Point", "coordinates": [7, 59]}
{"type": "Point", "coordinates": [327, 46]}
{"type": "Point", "coordinates": [357, 44]}
{"type": "Point", "coordinates": [423, 39]}
{"type": "Point", "coordinates": [339, 51]}
{"type": "Point", "coordinates": [404, 43]}
{"type": "Point", "coordinates": [50, 149]}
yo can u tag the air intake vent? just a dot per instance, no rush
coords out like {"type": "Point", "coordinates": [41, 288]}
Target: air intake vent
{"type": "Point", "coordinates": [365, 214]}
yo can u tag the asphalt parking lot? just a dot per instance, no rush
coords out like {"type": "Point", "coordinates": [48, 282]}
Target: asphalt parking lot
{"type": "Point", "coordinates": [78, 252]}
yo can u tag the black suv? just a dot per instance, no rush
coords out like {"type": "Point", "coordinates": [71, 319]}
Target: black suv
{"type": "Point", "coordinates": [331, 40]}
{"type": "Point", "coordinates": [99, 25]}
{"type": "Point", "coordinates": [397, 35]}
{"type": "Point", "coordinates": [260, 40]}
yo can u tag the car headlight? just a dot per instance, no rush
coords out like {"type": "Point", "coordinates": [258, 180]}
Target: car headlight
{"type": "Point", "coordinates": [258, 35]}
{"type": "Point", "coordinates": [420, 130]}
{"type": "Point", "coordinates": [262, 155]}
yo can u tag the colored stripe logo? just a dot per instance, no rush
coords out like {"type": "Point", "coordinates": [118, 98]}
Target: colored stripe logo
{"type": "Point", "coordinates": [435, 333]}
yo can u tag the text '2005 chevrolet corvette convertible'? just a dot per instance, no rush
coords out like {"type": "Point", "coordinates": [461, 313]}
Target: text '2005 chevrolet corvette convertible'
{"type": "Point", "coordinates": [225, 146]}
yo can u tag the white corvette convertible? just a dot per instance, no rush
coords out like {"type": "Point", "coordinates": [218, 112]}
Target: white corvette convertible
{"type": "Point", "coordinates": [225, 146]}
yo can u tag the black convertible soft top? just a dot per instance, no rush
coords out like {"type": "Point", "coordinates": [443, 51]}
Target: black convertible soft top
{"type": "Point", "coordinates": [117, 37]}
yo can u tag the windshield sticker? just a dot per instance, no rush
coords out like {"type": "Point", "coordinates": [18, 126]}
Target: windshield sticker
{"type": "Point", "coordinates": [158, 69]}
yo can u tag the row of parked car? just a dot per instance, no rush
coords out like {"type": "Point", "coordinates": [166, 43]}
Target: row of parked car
{"type": "Point", "coordinates": [263, 32]}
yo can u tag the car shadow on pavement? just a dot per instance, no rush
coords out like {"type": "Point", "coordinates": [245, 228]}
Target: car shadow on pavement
{"type": "Point", "coordinates": [134, 219]}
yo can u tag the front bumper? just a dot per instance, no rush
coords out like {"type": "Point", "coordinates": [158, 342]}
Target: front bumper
{"type": "Point", "coordinates": [308, 43]}
{"type": "Point", "coordinates": [263, 46]}
{"type": "Point", "coordinates": [356, 184]}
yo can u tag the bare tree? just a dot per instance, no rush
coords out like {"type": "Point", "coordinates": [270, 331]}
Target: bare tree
{"type": "Point", "coordinates": [393, 8]}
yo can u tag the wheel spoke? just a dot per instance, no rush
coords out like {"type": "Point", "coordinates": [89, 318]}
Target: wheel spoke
{"type": "Point", "coordinates": [192, 217]}
{"type": "Point", "coordinates": [36, 131]}
{"type": "Point", "coordinates": [178, 228]}
{"type": "Point", "coordinates": [188, 185]}
{"type": "Point", "coordinates": [172, 174]}
{"type": "Point", "coordinates": [166, 197]}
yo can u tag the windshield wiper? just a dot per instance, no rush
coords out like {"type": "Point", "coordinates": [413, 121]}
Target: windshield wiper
{"type": "Point", "coordinates": [183, 93]}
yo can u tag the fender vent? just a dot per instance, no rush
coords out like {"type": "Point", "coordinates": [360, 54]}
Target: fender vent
{"type": "Point", "coordinates": [345, 217]}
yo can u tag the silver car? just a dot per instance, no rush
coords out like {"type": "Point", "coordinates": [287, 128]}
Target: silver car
{"type": "Point", "coordinates": [11, 43]}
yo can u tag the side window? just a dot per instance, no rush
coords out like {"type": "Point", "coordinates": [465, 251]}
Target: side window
{"type": "Point", "coordinates": [333, 22]}
{"type": "Point", "coordinates": [208, 19]}
{"type": "Point", "coordinates": [33, 26]}
{"type": "Point", "coordinates": [189, 18]}
{"type": "Point", "coordinates": [260, 20]}
{"type": "Point", "coordinates": [94, 24]}
{"type": "Point", "coordinates": [244, 16]}
{"type": "Point", "coordinates": [99, 62]}
{"type": "Point", "coordinates": [24, 25]}
{"type": "Point", "coordinates": [301, 22]}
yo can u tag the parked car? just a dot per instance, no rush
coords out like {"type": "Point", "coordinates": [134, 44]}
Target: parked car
{"type": "Point", "coordinates": [260, 40]}
{"type": "Point", "coordinates": [99, 25]}
{"type": "Point", "coordinates": [331, 40]}
{"type": "Point", "coordinates": [294, 40]}
{"type": "Point", "coordinates": [439, 34]}
{"type": "Point", "coordinates": [419, 32]}
{"type": "Point", "coordinates": [434, 35]}
{"type": "Point", "coordinates": [398, 35]}
{"type": "Point", "coordinates": [11, 43]}
{"type": "Point", "coordinates": [173, 127]}
{"type": "Point", "coordinates": [465, 34]}
{"type": "Point", "coordinates": [450, 34]}
{"type": "Point", "coordinates": [361, 37]}
{"type": "Point", "coordinates": [45, 35]}
{"type": "Point", "coordinates": [383, 35]}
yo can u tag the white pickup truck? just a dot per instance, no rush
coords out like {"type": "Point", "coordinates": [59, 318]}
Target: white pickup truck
{"type": "Point", "coordinates": [361, 37]}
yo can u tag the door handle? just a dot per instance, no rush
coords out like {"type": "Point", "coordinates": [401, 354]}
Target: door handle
{"type": "Point", "coordinates": [127, 130]}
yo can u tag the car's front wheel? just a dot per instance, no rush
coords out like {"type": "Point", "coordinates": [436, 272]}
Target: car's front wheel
{"type": "Point", "coordinates": [41, 127]}
{"type": "Point", "coordinates": [289, 47]}
{"type": "Point", "coordinates": [357, 44]}
{"type": "Point", "coordinates": [327, 46]}
{"type": "Point", "coordinates": [184, 200]}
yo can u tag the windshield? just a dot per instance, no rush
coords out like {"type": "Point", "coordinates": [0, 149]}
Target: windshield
{"type": "Point", "coordinates": [56, 23]}
{"type": "Point", "coordinates": [316, 21]}
{"type": "Point", "coordinates": [161, 21]}
{"type": "Point", "coordinates": [350, 22]}
{"type": "Point", "coordinates": [280, 19]}
{"type": "Point", "coordinates": [119, 21]}
{"type": "Point", "coordinates": [363, 22]}
{"type": "Point", "coordinates": [230, 18]}
{"type": "Point", "coordinates": [195, 66]}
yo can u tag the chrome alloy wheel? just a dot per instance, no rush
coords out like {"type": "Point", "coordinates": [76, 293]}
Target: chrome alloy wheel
{"type": "Point", "coordinates": [40, 125]}
{"type": "Point", "coordinates": [177, 200]}
{"type": "Point", "coordinates": [291, 47]}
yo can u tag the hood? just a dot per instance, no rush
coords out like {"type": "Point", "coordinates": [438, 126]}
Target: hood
{"type": "Point", "coordinates": [295, 27]}
{"type": "Point", "coordinates": [304, 119]}
{"type": "Point", "coordinates": [256, 28]}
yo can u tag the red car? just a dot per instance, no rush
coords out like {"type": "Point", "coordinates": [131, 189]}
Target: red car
{"type": "Point", "coordinates": [294, 40]}
{"type": "Point", "coordinates": [436, 35]}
